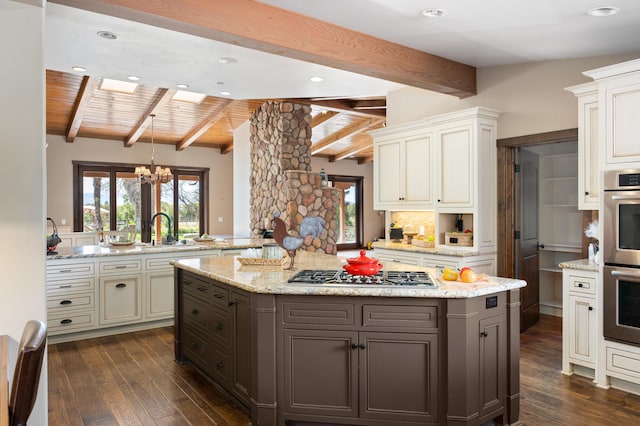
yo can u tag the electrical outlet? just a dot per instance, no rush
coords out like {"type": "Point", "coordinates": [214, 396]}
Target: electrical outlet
{"type": "Point", "coordinates": [63, 221]}
{"type": "Point", "coordinates": [220, 219]}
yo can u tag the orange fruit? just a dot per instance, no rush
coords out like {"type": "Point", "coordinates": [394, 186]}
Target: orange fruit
{"type": "Point", "coordinates": [468, 276]}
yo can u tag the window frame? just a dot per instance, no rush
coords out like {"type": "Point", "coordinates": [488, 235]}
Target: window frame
{"type": "Point", "coordinates": [358, 182]}
{"type": "Point", "coordinates": [79, 167]}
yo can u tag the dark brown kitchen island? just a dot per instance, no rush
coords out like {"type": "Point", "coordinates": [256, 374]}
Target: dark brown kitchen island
{"type": "Point", "coordinates": [353, 354]}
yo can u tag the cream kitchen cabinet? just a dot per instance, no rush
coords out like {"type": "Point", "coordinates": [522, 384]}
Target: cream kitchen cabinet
{"type": "Point", "coordinates": [619, 101]}
{"type": "Point", "coordinates": [445, 163]}
{"type": "Point", "coordinates": [579, 329]}
{"type": "Point", "coordinates": [159, 282]}
{"type": "Point", "coordinates": [588, 148]}
{"type": "Point", "coordinates": [403, 172]}
{"type": "Point", "coordinates": [120, 299]}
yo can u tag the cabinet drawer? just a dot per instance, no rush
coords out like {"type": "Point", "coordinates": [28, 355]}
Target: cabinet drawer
{"type": "Point", "coordinates": [398, 258]}
{"type": "Point", "coordinates": [400, 316]}
{"type": "Point", "coordinates": [196, 314]}
{"type": "Point", "coordinates": [196, 287]}
{"type": "Point", "coordinates": [318, 313]}
{"type": "Point", "coordinates": [70, 301]}
{"type": "Point", "coordinates": [437, 263]}
{"type": "Point", "coordinates": [221, 327]}
{"type": "Point", "coordinates": [60, 323]}
{"type": "Point", "coordinates": [71, 285]}
{"type": "Point", "coordinates": [116, 267]}
{"type": "Point", "coordinates": [196, 349]}
{"type": "Point", "coordinates": [625, 364]}
{"type": "Point", "coordinates": [579, 284]}
{"type": "Point", "coordinates": [220, 295]}
{"type": "Point", "coordinates": [60, 271]}
{"type": "Point", "coordinates": [156, 263]}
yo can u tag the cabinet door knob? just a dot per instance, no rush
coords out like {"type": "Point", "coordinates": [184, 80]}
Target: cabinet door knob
{"type": "Point", "coordinates": [220, 364]}
{"type": "Point", "coordinates": [591, 308]}
{"type": "Point", "coordinates": [194, 312]}
{"type": "Point", "coordinates": [220, 326]}
{"type": "Point", "coordinates": [354, 346]}
{"type": "Point", "coordinates": [586, 192]}
{"type": "Point", "coordinates": [121, 285]}
{"type": "Point", "coordinates": [580, 285]}
{"type": "Point", "coordinates": [484, 334]}
{"type": "Point", "coordinates": [362, 346]}
{"type": "Point", "coordinates": [232, 303]}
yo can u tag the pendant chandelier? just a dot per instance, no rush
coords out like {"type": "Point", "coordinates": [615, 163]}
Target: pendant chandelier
{"type": "Point", "coordinates": [153, 174]}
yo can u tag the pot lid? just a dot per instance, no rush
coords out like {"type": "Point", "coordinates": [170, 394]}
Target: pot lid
{"type": "Point", "coordinates": [362, 260]}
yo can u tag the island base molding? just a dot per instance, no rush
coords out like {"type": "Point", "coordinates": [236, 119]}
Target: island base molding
{"type": "Point", "coordinates": [312, 360]}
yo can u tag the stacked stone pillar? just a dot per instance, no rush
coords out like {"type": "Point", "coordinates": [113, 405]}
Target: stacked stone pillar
{"type": "Point", "coordinates": [281, 178]}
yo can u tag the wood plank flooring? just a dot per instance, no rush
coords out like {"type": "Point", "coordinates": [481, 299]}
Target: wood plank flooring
{"type": "Point", "coordinates": [131, 379]}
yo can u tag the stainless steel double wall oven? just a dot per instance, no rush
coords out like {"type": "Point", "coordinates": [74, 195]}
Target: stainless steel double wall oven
{"type": "Point", "coordinates": [621, 255]}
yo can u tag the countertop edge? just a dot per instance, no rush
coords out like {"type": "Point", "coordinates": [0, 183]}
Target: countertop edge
{"type": "Point", "coordinates": [581, 265]}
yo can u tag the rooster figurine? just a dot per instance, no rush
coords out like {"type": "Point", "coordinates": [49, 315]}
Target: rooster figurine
{"type": "Point", "coordinates": [309, 227]}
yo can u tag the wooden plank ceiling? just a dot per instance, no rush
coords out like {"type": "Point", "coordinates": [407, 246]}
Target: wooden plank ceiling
{"type": "Point", "coordinates": [76, 107]}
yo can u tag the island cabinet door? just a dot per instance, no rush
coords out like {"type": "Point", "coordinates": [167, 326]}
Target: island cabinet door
{"type": "Point", "coordinates": [399, 376]}
{"type": "Point", "coordinates": [493, 361]}
{"type": "Point", "coordinates": [321, 372]}
{"type": "Point", "coordinates": [240, 321]}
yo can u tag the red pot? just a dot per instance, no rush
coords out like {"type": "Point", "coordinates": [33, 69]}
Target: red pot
{"type": "Point", "coordinates": [362, 265]}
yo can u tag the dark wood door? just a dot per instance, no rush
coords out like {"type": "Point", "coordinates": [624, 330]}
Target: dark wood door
{"type": "Point", "coordinates": [527, 245]}
{"type": "Point", "coordinates": [399, 376]}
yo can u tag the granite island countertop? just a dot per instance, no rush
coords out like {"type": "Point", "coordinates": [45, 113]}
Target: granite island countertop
{"type": "Point", "coordinates": [145, 248]}
{"type": "Point", "coordinates": [389, 245]}
{"type": "Point", "coordinates": [274, 279]}
{"type": "Point", "coordinates": [581, 264]}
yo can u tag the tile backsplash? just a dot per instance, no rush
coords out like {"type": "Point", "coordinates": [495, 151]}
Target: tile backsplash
{"type": "Point", "coordinates": [415, 220]}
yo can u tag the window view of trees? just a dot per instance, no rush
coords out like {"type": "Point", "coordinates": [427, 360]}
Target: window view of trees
{"type": "Point", "coordinates": [111, 197]}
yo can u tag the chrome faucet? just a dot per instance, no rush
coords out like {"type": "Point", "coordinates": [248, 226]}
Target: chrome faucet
{"type": "Point", "coordinates": [170, 237]}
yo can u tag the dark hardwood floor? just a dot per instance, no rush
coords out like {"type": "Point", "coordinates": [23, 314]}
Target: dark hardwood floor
{"type": "Point", "coordinates": [131, 379]}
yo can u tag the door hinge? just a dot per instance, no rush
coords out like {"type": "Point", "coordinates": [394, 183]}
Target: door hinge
{"type": "Point", "coordinates": [516, 168]}
{"type": "Point", "coordinates": [516, 235]}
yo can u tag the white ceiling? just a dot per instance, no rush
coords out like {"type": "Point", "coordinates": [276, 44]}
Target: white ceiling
{"type": "Point", "coordinates": [479, 33]}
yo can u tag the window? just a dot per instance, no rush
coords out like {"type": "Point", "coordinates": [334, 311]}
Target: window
{"type": "Point", "coordinates": [110, 196]}
{"type": "Point", "coordinates": [349, 211]}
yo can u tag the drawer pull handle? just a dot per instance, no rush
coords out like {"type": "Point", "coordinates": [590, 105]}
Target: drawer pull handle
{"type": "Point", "coordinates": [220, 326]}
{"type": "Point", "coordinates": [220, 364]}
{"type": "Point", "coordinates": [65, 286]}
{"type": "Point", "coordinates": [121, 285]}
{"type": "Point", "coordinates": [66, 321]}
{"type": "Point", "coordinates": [194, 312]}
{"type": "Point", "coordinates": [362, 346]}
{"type": "Point", "coordinates": [66, 302]}
{"type": "Point", "coordinates": [64, 271]}
{"type": "Point", "coordinates": [484, 334]}
{"type": "Point", "coordinates": [121, 266]}
{"type": "Point", "coordinates": [202, 289]}
{"type": "Point", "coordinates": [232, 303]}
{"type": "Point", "coordinates": [218, 296]}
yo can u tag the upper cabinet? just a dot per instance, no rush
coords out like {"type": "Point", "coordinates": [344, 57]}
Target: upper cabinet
{"type": "Point", "coordinates": [619, 103]}
{"type": "Point", "coordinates": [403, 172]}
{"type": "Point", "coordinates": [445, 163]}
{"type": "Point", "coordinates": [588, 147]}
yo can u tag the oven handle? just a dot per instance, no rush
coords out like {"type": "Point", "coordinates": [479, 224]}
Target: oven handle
{"type": "Point", "coordinates": [625, 197]}
{"type": "Point", "coordinates": [626, 274]}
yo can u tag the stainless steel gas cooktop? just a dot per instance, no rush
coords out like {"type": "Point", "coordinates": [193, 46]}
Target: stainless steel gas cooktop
{"type": "Point", "coordinates": [382, 278]}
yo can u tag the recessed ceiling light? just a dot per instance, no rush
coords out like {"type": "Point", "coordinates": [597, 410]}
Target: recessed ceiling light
{"type": "Point", "coordinates": [228, 60]}
{"type": "Point", "coordinates": [107, 34]}
{"type": "Point", "coordinates": [182, 86]}
{"type": "Point", "coordinates": [316, 79]}
{"type": "Point", "coordinates": [118, 86]}
{"type": "Point", "coordinates": [433, 13]}
{"type": "Point", "coordinates": [78, 68]}
{"type": "Point", "coordinates": [603, 11]}
{"type": "Point", "coordinates": [133, 78]}
{"type": "Point", "coordinates": [184, 96]}
{"type": "Point", "coordinates": [225, 93]}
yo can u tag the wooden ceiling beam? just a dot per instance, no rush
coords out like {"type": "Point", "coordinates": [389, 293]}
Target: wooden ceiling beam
{"type": "Point", "coordinates": [162, 98]}
{"type": "Point", "coordinates": [341, 105]}
{"type": "Point", "coordinates": [255, 25]}
{"type": "Point", "coordinates": [343, 133]}
{"type": "Point", "coordinates": [80, 105]}
{"type": "Point", "coordinates": [353, 150]}
{"type": "Point", "coordinates": [365, 160]}
{"type": "Point", "coordinates": [226, 148]}
{"type": "Point", "coordinates": [201, 128]}
{"type": "Point", "coordinates": [369, 104]}
{"type": "Point", "coordinates": [323, 117]}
